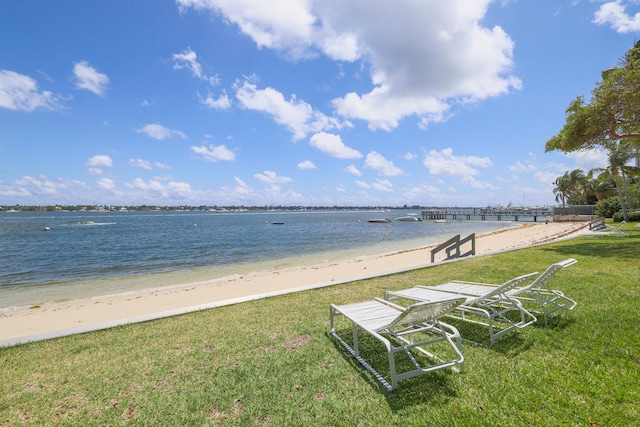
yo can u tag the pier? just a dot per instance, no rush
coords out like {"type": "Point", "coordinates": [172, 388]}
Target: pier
{"type": "Point", "coordinates": [484, 214]}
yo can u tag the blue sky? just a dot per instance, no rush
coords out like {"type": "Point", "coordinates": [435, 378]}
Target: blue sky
{"type": "Point", "coordinates": [296, 102]}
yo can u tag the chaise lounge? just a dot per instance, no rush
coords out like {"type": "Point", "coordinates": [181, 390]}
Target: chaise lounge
{"type": "Point", "coordinates": [413, 328]}
{"type": "Point", "coordinates": [493, 308]}
{"type": "Point", "coordinates": [537, 293]}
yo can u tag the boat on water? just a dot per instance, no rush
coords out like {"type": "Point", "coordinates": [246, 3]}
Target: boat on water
{"type": "Point", "coordinates": [441, 221]}
{"type": "Point", "coordinates": [409, 218]}
{"type": "Point", "coordinates": [380, 220]}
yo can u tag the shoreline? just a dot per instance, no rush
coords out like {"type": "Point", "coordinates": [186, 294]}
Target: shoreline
{"type": "Point", "coordinates": [83, 315]}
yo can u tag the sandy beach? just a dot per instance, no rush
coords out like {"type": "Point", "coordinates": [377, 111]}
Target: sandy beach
{"type": "Point", "coordinates": [78, 316]}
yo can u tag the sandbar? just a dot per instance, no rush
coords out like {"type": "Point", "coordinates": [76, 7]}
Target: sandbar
{"type": "Point", "coordinates": [58, 319]}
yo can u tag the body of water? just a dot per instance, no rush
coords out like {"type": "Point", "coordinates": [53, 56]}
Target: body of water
{"type": "Point", "coordinates": [55, 256]}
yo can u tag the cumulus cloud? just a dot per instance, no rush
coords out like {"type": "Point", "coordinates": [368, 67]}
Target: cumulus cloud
{"type": "Point", "coordinates": [87, 77]}
{"type": "Point", "coordinates": [157, 131]}
{"type": "Point", "coordinates": [101, 160]}
{"type": "Point", "coordinates": [520, 167]}
{"type": "Point", "coordinates": [298, 116]}
{"type": "Point", "coordinates": [382, 185]}
{"type": "Point", "coordinates": [154, 189]}
{"type": "Point", "coordinates": [213, 153]}
{"type": "Point", "coordinates": [377, 162]}
{"type": "Point", "coordinates": [140, 163]}
{"type": "Point", "coordinates": [472, 182]}
{"type": "Point", "coordinates": [221, 103]}
{"type": "Point", "coordinates": [276, 24]}
{"type": "Point", "coordinates": [589, 159]}
{"type": "Point", "coordinates": [445, 163]}
{"type": "Point", "coordinates": [21, 93]}
{"type": "Point", "coordinates": [353, 170]}
{"type": "Point", "coordinates": [333, 146]}
{"type": "Point", "coordinates": [614, 14]}
{"type": "Point", "coordinates": [270, 177]}
{"type": "Point", "coordinates": [106, 184]}
{"type": "Point", "coordinates": [443, 55]}
{"type": "Point", "coordinates": [306, 165]}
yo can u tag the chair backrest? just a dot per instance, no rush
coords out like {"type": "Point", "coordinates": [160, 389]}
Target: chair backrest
{"type": "Point", "coordinates": [508, 285]}
{"type": "Point", "coordinates": [421, 312]}
{"type": "Point", "coordinates": [545, 276]}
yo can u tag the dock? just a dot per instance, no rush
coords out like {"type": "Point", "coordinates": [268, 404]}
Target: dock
{"type": "Point", "coordinates": [483, 214]}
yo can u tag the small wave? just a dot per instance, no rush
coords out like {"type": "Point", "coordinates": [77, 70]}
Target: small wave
{"type": "Point", "coordinates": [91, 223]}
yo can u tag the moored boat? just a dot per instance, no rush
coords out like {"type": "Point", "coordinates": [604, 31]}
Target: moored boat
{"type": "Point", "coordinates": [380, 220]}
{"type": "Point", "coordinates": [409, 218]}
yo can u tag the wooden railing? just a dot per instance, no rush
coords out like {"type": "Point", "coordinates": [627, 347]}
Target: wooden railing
{"type": "Point", "coordinates": [453, 247]}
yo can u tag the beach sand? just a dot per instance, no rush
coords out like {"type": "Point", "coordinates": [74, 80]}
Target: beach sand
{"type": "Point", "coordinates": [65, 318]}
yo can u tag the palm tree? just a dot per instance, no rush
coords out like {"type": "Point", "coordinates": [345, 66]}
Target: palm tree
{"type": "Point", "coordinates": [602, 186]}
{"type": "Point", "coordinates": [577, 182]}
{"type": "Point", "coordinates": [561, 189]}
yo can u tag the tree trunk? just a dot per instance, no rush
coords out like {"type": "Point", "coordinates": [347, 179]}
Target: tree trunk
{"type": "Point", "coordinates": [616, 178]}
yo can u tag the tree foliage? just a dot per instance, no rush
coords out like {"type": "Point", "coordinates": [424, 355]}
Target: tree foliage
{"type": "Point", "coordinates": [612, 114]}
{"type": "Point", "coordinates": [611, 120]}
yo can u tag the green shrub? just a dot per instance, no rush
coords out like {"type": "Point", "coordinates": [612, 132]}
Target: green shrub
{"type": "Point", "coordinates": [633, 216]}
{"type": "Point", "coordinates": [608, 207]}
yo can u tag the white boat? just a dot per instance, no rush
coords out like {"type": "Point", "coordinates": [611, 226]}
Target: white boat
{"type": "Point", "coordinates": [409, 218]}
{"type": "Point", "coordinates": [441, 221]}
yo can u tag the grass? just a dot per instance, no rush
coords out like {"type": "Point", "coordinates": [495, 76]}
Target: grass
{"type": "Point", "coordinates": [271, 362]}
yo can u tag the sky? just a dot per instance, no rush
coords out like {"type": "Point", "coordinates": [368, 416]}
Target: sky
{"type": "Point", "coordinates": [297, 102]}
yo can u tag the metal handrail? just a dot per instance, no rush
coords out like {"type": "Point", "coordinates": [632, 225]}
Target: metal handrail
{"type": "Point", "coordinates": [453, 245]}
{"type": "Point", "coordinates": [597, 224]}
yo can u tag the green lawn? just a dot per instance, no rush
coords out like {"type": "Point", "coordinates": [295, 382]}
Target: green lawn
{"type": "Point", "coordinates": [271, 362]}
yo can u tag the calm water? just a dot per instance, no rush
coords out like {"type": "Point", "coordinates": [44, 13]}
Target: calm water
{"type": "Point", "coordinates": [90, 253]}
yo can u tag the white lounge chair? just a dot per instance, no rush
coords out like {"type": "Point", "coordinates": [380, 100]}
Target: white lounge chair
{"type": "Point", "coordinates": [614, 231]}
{"type": "Point", "coordinates": [414, 327]}
{"type": "Point", "coordinates": [537, 293]}
{"type": "Point", "coordinates": [489, 309]}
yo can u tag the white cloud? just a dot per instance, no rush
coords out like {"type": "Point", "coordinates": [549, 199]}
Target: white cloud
{"type": "Point", "coordinates": [613, 13]}
{"type": "Point", "coordinates": [154, 189]}
{"type": "Point", "coordinates": [157, 131]}
{"type": "Point", "coordinates": [87, 77]}
{"type": "Point", "coordinates": [222, 103]}
{"type": "Point", "coordinates": [269, 177]}
{"type": "Point", "coordinates": [445, 163]}
{"type": "Point", "coordinates": [474, 183]}
{"type": "Point", "coordinates": [188, 59]}
{"type": "Point", "coordinates": [162, 165]}
{"type": "Point", "coordinates": [589, 159]}
{"type": "Point", "coordinates": [100, 160]}
{"type": "Point", "coordinates": [21, 93]}
{"type": "Point", "coordinates": [106, 184]}
{"type": "Point", "coordinates": [276, 24]}
{"type": "Point", "coordinates": [353, 170]}
{"type": "Point", "coordinates": [443, 54]}
{"type": "Point", "coordinates": [213, 153]}
{"type": "Point", "coordinates": [298, 116]}
{"type": "Point", "coordinates": [410, 156]}
{"type": "Point", "coordinates": [382, 185]}
{"type": "Point", "coordinates": [306, 165]}
{"type": "Point", "coordinates": [95, 171]}
{"type": "Point", "coordinates": [333, 146]}
{"type": "Point", "coordinates": [520, 167]}
{"type": "Point", "coordinates": [377, 162]}
{"type": "Point", "coordinates": [140, 163]}
{"type": "Point", "coordinates": [41, 186]}
{"type": "Point", "coordinates": [362, 184]}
